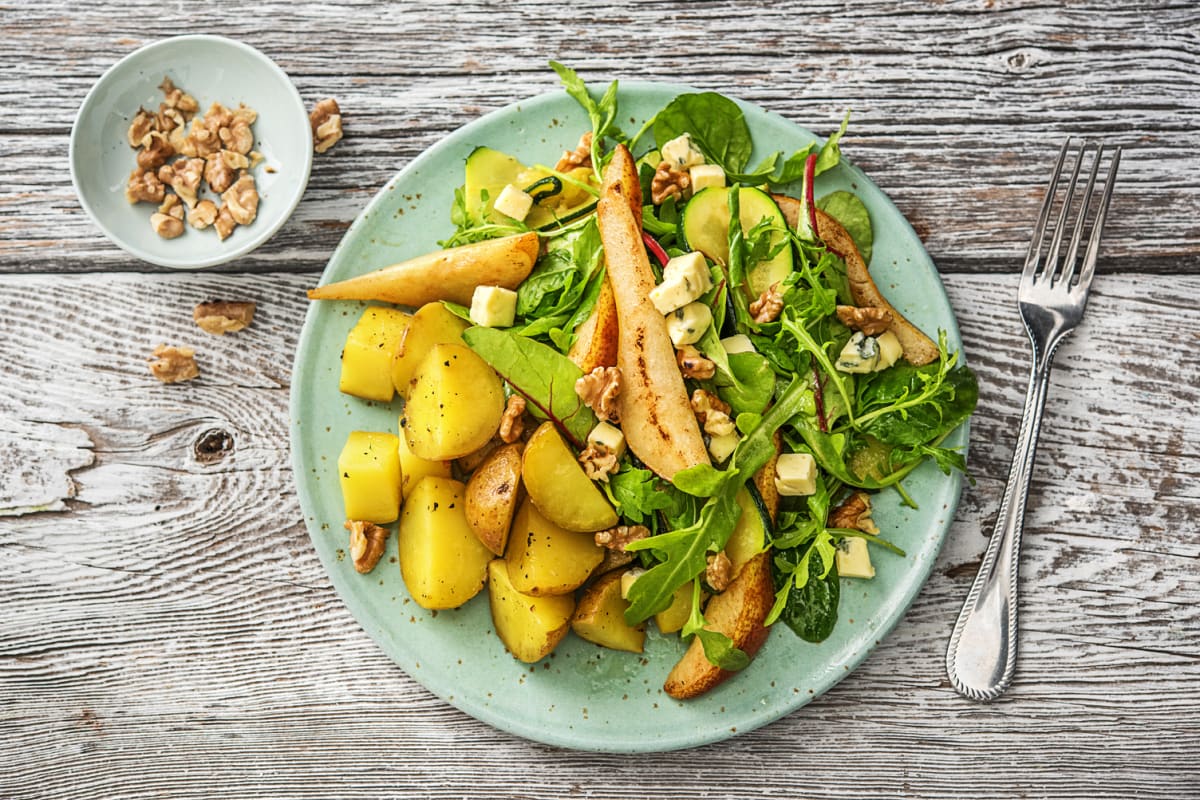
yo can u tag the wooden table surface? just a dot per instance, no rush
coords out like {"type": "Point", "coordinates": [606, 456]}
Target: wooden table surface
{"type": "Point", "coordinates": [165, 627]}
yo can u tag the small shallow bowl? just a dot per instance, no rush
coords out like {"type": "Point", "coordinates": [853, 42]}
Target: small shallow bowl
{"type": "Point", "coordinates": [211, 69]}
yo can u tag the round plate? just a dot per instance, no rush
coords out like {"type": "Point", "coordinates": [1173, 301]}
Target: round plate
{"type": "Point", "coordinates": [211, 69]}
{"type": "Point", "coordinates": [583, 696]}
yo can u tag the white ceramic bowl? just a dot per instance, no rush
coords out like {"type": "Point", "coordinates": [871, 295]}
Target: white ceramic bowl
{"type": "Point", "coordinates": [211, 69]}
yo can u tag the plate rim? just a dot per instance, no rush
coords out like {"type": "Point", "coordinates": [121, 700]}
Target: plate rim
{"type": "Point", "coordinates": [569, 737]}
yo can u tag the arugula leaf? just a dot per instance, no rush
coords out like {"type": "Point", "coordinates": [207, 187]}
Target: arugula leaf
{"type": "Point", "coordinates": [545, 377]}
{"type": "Point", "coordinates": [718, 648]}
{"type": "Point", "coordinates": [602, 114]}
{"type": "Point", "coordinates": [847, 209]}
{"type": "Point", "coordinates": [637, 493]}
{"type": "Point", "coordinates": [793, 168]}
{"type": "Point", "coordinates": [831, 152]}
{"type": "Point", "coordinates": [716, 124]}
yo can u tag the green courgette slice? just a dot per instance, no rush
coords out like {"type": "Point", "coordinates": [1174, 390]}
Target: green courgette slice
{"type": "Point", "coordinates": [705, 227]}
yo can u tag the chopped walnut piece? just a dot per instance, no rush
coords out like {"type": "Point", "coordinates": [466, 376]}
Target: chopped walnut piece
{"type": "Point", "coordinates": [616, 538]}
{"type": "Point", "coordinates": [144, 187]}
{"type": "Point", "coordinates": [171, 207]}
{"type": "Point", "coordinates": [670, 181]}
{"type": "Point", "coordinates": [224, 223]}
{"type": "Point", "coordinates": [693, 365]}
{"type": "Point", "coordinates": [326, 122]}
{"type": "Point", "coordinates": [242, 200]}
{"type": "Point", "coordinates": [177, 98]}
{"type": "Point", "coordinates": [167, 119]}
{"type": "Point", "coordinates": [719, 571]}
{"type": "Point", "coordinates": [186, 174]}
{"type": "Point", "coordinates": [854, 513]}
{"type": "Point", "coordinates": [174, 364]}
{"type": "Point", "coordinates": [712, 413]}
{"type": "Point", "coordinates": [234, 159]}
{"type": "Point", "coordinates": [599, 390]}
{"type": "Point", "coordinates": [166, 226]}
{"type": "Point", "coordinates": [156, 149]}
{"type": "Point", "coordinates": [223, 316]}
{"type": "Point", "coordinates": [581, 156]}
{"type": "Point", "coordinates": [237, 137]}
{"type": "Point", "coordinates": [871, 321]}
{"type": "Point", "coordinates": [203, 214]}
{"type": "Point", "coordinates": [598, 462]}
{"type": "Point", "coordinates": [367, 542]}
{"type": "Point", "coordinates": [142, 125]}
{"type": "Point", "coordinates": [217, 171]}
{"type": "Point", "coordinates": [512, 424]}
{"type": "Point", "coordinates": [768, 305]}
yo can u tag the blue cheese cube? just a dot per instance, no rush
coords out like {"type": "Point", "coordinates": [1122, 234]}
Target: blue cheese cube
{"type": "Point", "coordinates": [796, 474]}
{"type": "Point", "coordinates": [680, 152]}
{"type": "Point", "coordinates": [706, 175]}
{"type": "Point", "coordinates": [685, 278]}
{"type": "Point", "coordinates": [863, 354]}
{"type": "Point", "coordinates": [722, 447]}
{"type": "Point", "coordinates": [686, 325]}
{"type": "Point", "coordinates": [853, 559]}
{"type": "Point", "coordinates": [738, 343]}
{"type": "Point", "coordinates": [493, 307]}
{"type": "Point", "coordinates": [609, 437]}
{"type": "Point", "coordinates": [513, 202]}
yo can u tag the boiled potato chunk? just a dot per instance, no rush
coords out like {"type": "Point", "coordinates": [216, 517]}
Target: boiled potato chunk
{"type": "Point", "coordinates": [544, 559]}
{"type": "Point", "coordinates": [413, 468]}
{"type": "Point", "coordinates": [560, 488]}
{"type": "Point", "coordinates": [675, 616]}
{"type": "Point", "coordinates": [454, 404]}
{"type": "Point", "coordinates": [530, 627]}
{"type": "Point", "coordinates": [369, 468]}
{"type": "Point", "coordinates": [749, 537]}
{"type": "Point", "coordinates": [432, 324]}
{"type": "Point", "coordinates": [492, 495]}
{"type": "Point", "coordinates": [600, 616]}
{"type": "Point", "coordinates": [368, 353]}
{"type": "Point", "coordinates": [443, 563]}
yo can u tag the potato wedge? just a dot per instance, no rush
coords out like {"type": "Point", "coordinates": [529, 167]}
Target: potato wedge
{"type": "Point", "coordinates": [558, 486]}
{"type": "Point", "coordinates": [455, 403]}
{"type": "Point", "coordinates": [544, 559]}
{"type": "Point", "coordinates": [658, 422]}
{"type": "Point", "coordinates": [596, 338]}
{"type": "Point", "coordinates": [492, 494]}
{"type": "Point", "coordinates": [442, 562]}
{"type": "Point", "coordinates": [432, 324]}
{"type": "Point", "coordinates": [600, 616]}
{"type": "Point", "coordinates": [918, 348]}
{"type": "Point", "coordinates": [449, 274]}
{"type": "Point", "coordinates": [738, 612]}
{"type": "Point", "coordinates": [413, 468]}
{"type": "Point", "coordinates": [530, 627]}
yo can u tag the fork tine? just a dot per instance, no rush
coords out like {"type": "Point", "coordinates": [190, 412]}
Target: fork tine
{"type": "Point", "coordinates": [1089, 258]}
{"type": "Point", "coordinates": [1039, 230]}
{"type": "Point", "coordinates": [1068, 267]}
{"type": "Point", "coordinates": [1051, 269]}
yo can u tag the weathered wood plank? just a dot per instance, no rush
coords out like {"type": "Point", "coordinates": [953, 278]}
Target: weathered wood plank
{"type": "Point", "coordinates": [957, 107]}
{"type": "Point", "coordinates": [172, 633]}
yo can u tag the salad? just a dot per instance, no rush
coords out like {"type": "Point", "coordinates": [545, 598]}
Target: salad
{"type": "Point", "coordinates": [648, 382]}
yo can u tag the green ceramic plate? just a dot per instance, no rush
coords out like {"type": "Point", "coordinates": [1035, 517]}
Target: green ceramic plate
{"type": "Point", "coordinates": [582, 696]}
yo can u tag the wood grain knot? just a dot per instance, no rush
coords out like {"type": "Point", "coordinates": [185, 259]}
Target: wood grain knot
{"type": "Point", "coordinates": [212, 445]}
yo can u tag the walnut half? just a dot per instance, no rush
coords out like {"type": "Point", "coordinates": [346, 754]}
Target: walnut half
{"type": "Point", "coordinates": [599, 390]}
{"type": "Point", "coordinates": [367, 542]}
{"type": "Point", "coordinates": [326, 122]}
{"type": "Point", "coordinates": [223, 316]}
{"type": "Point", "coordinates": [174, 364]}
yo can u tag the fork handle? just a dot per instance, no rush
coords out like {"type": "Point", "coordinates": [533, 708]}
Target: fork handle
{"type": "Point", "coordinates": [983, 647]}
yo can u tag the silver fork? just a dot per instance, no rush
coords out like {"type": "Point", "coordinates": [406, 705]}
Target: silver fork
{"type": "Point", "coordinates": [1051, 298]}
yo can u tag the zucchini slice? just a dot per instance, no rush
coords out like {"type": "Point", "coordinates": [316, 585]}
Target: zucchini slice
{"type": "Point", "coordinates": [489, 171]}
{"type": "Point", "coordinates": [705, 227]}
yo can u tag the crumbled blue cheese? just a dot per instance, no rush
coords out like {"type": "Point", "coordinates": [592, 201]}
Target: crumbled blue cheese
{"type": "Point", "coordinates": [796, 474]}
{"type": "Point", "coordinates": [706, 175]}
{"type": "Point", "coordinates": [890, 350]}
{"type": "Point", "coordinates": [680, 153]}
{"type": "Point", "coordinates": [853, 559]}
{"type": "Point", "coordinates": [493, 307]}
{"type": "Point", "coordinates": [864, 353]}
{"type": "Point", "coordinates": [627, 578]}
{"type": "Point", "coordinates": [685, 278]}
{"type": "Point", "coordinates": [513, 202]}
{"type": "Point", "coordinates": [738, 343]}
{"type": "Point", "coordinates": [687, 324]}
{"type": "Point", "coordinates": [722, 447]}
{"type": "Point", "coordinates": [608, 437]}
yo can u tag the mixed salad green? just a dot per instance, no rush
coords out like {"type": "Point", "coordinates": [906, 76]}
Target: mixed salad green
{"type": "Point", "coordinates": [865, 430]}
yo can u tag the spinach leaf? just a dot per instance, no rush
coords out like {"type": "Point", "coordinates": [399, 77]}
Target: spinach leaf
{"type": "Point", "coordinates": [830, 153]}
{"type": "Point", "coordinates": [811, 605]}
{"type": "Point", "coordinates": [752, 384]}
{"type": "Point", "coordinates": [847, 209]}
{"type": "Point", "coordinates": [545, 377]}
{"type": "Point", "coordinates": [716, 124]}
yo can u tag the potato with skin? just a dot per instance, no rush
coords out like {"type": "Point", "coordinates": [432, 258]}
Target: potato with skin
{"type": "Point", "coordinates": [739, 613]}
{"type": "Point", "coordinates": [492, 494]}
{"type": "Point", "coordinates": [432, 324]}
{"type": "Point", "coordinates": [560, 488]}
{"type": "Point", "coordinates": [530, 627]}
{"type": "Point", "coordinates": [545, 559]}
{"type": "Point", "coordinates": [600, 616]}
{"type": "Point", "coordinates": [656, 416]}
{"type": "Point", "coordinates": [451, 274]}
{"type": "Point", "coordinates": [455, 402]}
{"type": "Point", "coordinates": [442, 562]}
